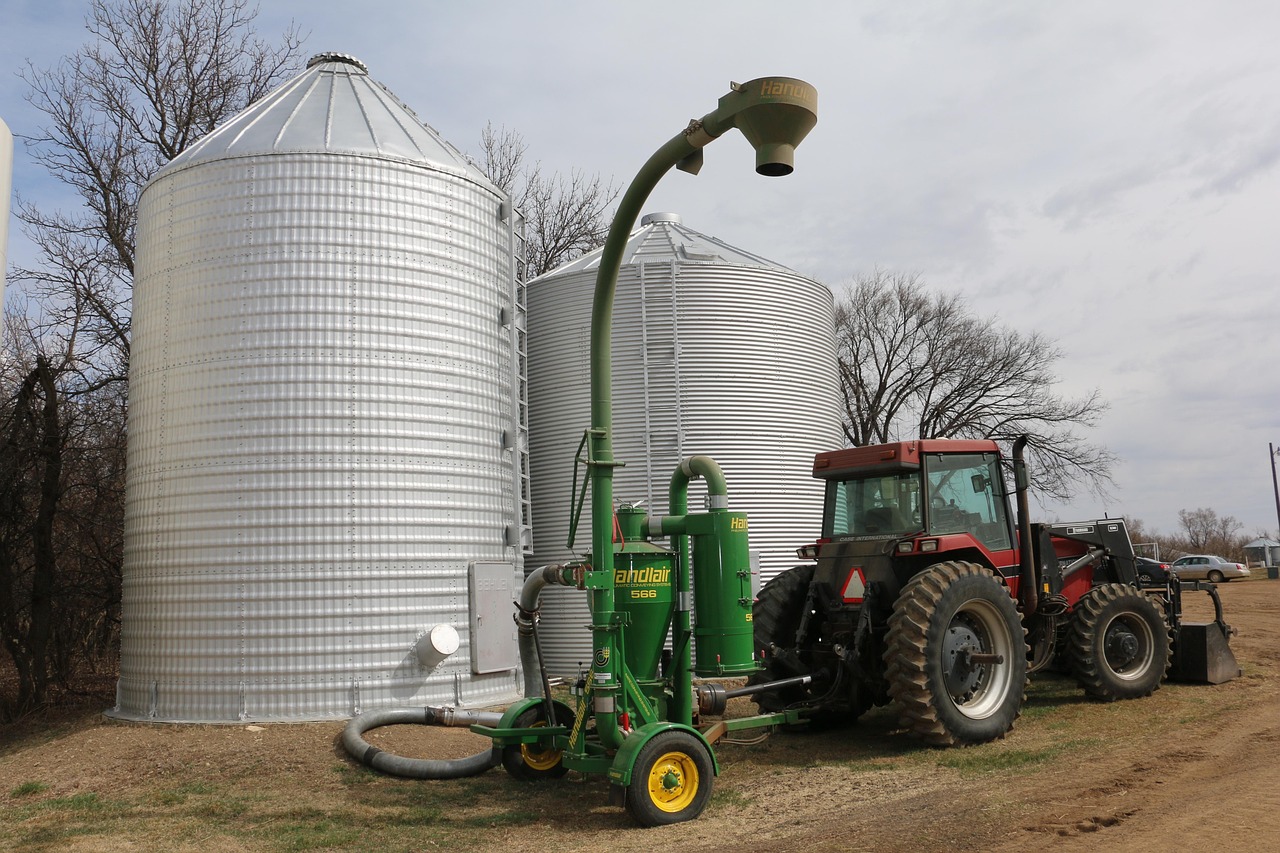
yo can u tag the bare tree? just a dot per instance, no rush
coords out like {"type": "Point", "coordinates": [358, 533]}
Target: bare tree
{"type": "Point", "coordinates": [62, 462]}
{"type": "Point", "coordinates": [919, 365]}
{"type": "Point", "coordinates": [155, 78]}
{"type": "Point", "coordinates": [1208, 532]}
{"type": "Point", "coordinates": [564, 217]}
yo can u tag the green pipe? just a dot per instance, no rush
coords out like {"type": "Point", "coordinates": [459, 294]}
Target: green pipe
{"type": "Point", "coordinates": [775, 114]}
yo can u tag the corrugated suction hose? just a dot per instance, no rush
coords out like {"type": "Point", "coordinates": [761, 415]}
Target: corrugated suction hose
{"type": "Point", "coordinates": [419, 768]}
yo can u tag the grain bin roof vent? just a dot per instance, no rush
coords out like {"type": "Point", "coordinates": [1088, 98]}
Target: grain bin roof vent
{"type": "Point", "coordinates": [332, 107]}
{"type": "Point", "coordinates": [321, 58]}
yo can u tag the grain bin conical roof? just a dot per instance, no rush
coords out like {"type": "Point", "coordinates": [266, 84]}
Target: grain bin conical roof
{"type": "Point", "coordinates": [332, 107]}
{"type": "Point", "coordinates": [664, 237]}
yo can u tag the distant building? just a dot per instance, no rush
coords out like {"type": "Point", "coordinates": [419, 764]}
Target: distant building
{"type": "Point", "coordinates": [1263, 552]}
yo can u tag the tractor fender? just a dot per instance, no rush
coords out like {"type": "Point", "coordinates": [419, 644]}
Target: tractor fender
{"type": "Point", "coordinates": [625, 759]}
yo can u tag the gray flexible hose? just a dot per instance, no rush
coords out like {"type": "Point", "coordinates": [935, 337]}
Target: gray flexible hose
{"type": "Point", "coordinates": [419, 768]}
{"type": "Point", "coordinates": [456, 768]}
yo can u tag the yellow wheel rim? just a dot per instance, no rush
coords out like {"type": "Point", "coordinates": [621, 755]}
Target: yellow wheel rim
{"type": "Point", "coordinates": [538, 758]}
{"type": "Point", "coordinates": [673, 782]}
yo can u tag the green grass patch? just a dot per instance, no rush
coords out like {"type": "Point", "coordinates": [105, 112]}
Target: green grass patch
{"type": "Point", "coordinates": [27, 789]}
{"type": "Point", "coordinates": [729, 798]}
{"type": "Point", "coordinates": [978, 760]}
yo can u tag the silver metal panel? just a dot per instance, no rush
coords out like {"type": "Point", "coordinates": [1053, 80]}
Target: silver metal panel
{"type": "Point", "coordinates": [493, 632]}
{"type": "Point", "coordinates": [734, 361]}
{"type": "Point", "coordinates": [321, 383]}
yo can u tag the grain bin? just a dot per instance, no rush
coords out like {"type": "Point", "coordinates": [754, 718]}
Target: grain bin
{"type": "Point", "coordinates": [325, 430]}
{"type": "Point", "coordinates": [716, 351]}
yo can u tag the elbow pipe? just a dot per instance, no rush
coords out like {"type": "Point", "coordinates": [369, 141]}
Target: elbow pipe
{"type": "Point", "coordinates": [692, 468]}
{"type": "Point", "coordinates": [419, 768]}
{"type": "Point", "coordinates": [1028, 583]}
{"type": "Point", "coordinates": [526, 613]}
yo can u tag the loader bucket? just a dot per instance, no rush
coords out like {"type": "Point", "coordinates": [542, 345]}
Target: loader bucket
{"type": "Point", "coordinates": [1201, 651]}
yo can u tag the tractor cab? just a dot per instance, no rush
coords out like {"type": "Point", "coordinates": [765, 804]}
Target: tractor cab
{"type": "Point", "coordinates": [931, 492]}
{"type": "Point", "coordinates": [894, 509]}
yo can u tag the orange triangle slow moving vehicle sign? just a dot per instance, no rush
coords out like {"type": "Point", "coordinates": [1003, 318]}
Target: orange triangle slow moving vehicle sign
{"type": "Point", "coordinates": [855, 586]}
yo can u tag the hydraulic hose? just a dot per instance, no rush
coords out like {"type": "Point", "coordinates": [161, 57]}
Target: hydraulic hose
{"type": "Point", "coordinates": [420, 768]}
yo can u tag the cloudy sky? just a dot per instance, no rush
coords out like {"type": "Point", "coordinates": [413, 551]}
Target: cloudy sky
{"type": "Point", "coordinates": [1105, 173]}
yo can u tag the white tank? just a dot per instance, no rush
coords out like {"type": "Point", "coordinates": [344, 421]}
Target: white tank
{"type": "Point", "coordinates": [716, 351]}
{"type": "Point", "coordinates": [324, 429]}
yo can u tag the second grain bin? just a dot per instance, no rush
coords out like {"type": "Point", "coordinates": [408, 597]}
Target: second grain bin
{"type": "Point", "coordinates": [716, 351]}
{"type": "Point", "coordinates": [326, 508]}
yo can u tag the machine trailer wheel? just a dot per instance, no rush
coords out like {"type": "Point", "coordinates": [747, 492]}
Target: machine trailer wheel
{"type": "Point", "coordinates": [776, 618]}
{"type": "Point", "coordinates": [671, 780]}
{"type": "Point", "coordinates": [956, 655]}
{"type": "Point", "coordinates": [1119, 643]}
{"type": "Point", "coordinates": [532, 762]}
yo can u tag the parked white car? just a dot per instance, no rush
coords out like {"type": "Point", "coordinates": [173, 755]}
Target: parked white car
{"type": "Point", "coordinates": [1207, 567]}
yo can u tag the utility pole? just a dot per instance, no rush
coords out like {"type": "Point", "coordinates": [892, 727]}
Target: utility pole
{"type": "Point", "coordinates": [1274, 485]}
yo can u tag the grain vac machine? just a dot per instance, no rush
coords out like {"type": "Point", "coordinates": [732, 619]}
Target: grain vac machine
{"type": "Point", "coordinates": [638, 717]}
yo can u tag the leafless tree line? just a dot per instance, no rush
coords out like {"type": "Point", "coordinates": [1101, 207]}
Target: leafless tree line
{"type": "Point", "coordinates": [916, 364]}
{"type": "Point", "coordinates": [1201, 531]}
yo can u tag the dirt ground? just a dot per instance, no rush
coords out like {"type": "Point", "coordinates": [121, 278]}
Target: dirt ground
{"type": "Point", "coordinates": [1194, 767]}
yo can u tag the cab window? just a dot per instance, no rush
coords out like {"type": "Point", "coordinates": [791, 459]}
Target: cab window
{"type": "Point", "coordinates": [966, 495]}
{"type": "Point", "coordinates": [874, 506]}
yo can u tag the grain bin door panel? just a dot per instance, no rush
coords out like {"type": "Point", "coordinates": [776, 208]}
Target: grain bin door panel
{"type": "Point", "coordinates": [493, 630]}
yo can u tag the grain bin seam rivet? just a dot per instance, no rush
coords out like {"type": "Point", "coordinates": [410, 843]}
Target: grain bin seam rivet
{"type": "Point", "coordinates": [433, 646]}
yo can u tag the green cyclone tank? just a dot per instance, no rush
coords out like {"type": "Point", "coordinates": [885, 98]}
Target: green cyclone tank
{"type": "Point", "coordinates": [644, 584]}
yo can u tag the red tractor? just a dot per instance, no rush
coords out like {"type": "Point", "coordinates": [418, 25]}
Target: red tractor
{"type": "Point", "coordinates": [926, 590]}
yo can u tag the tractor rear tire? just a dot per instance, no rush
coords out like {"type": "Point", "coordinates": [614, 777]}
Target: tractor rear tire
{"type": "Point", "coordinates": [532, 762]}
{"type": "Point", "coordinates": [945, 614]}
{"type": "Point", "coordinates": [776, 617]}
{"type": "Point", "coordinates": [671, 779]}
{"type": "Point", "coordinates": [1120, 643]}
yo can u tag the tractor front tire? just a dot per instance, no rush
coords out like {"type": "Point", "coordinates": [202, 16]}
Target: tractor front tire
{"type": "Point", "coordinates": [1120, 643]}
{"type": "Point", "coordinates": [956, 655]}
{"type": "Point", "coordinates": [671, 780]}
{"type": "Point", "coordinates": [533, 762]}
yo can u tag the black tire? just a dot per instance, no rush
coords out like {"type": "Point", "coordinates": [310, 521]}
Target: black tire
{"type": "Point", "coordinates": [944, 614]}
{"type": "Point", "coordinates": [775, 619]}
{"type": "Point", "coordinates": [1215, 576]}
{"type": "Point", "coordinates": [532, 762]}
{"type": "Point", "coordinates": [1120, 643]}
{"type": "Point", "coordinates": [1146, 579]}
{"type": "Point", "coordinates": [671, 780]}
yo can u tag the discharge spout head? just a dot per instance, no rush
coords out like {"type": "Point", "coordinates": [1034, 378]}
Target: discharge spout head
{"type": "Point", "coordinates": [774, 114]}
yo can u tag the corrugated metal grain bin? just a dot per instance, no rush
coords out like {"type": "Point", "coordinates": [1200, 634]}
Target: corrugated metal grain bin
{"type": "Point", "coordinates": [325, 437]}
{"type": "Point", "coordinates": [716, 351]}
